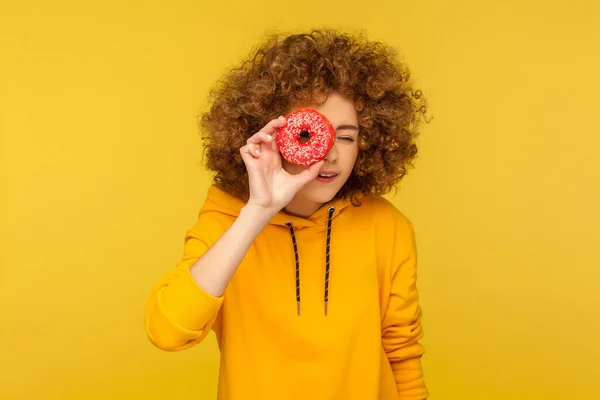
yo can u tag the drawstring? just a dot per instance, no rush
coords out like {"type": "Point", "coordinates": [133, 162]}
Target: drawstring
{"type": "Point", "coordinates": [289, 225]}
{"type": "Point", "coordinates": [331, 210]}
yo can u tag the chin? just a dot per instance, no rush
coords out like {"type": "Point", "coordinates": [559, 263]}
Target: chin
{"type": "Point", "coordinates": [320, 193]}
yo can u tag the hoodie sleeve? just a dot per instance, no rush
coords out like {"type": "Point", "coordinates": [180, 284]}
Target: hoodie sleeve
{"type": "Point", "coordinates": [179, 313]}
{"type": "Point", "coordinates": [401, 327]}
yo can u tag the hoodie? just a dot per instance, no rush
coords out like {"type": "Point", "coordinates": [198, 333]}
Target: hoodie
{"type": "Point", "coordinates": [320, 308]}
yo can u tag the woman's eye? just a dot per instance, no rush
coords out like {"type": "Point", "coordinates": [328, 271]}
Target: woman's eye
{"type": "Point", "coordinates": [347, 138]}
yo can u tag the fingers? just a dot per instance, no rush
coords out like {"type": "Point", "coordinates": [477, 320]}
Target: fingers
{"type": "Point", "coordinates": [262, 140]}
{"type": "Point", "coordinates": [309, 173]}
{"type": "Point", "coordinates": [272, 126]}
{"type": "Point", "coordinates": [254, 145]}
{"type": "Point", "coordinates": [250, 151]}
{"type": "Point", "coordinates": [267, 133]}
{"type": "Point", "coordinates": [260, 137]}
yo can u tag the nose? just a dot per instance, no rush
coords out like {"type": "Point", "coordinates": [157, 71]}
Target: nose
{"type": "Point", "coordinates": [332, 154]}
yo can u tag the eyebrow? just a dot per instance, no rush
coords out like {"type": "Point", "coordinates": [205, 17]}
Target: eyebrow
{"type": "Point", "coordinates": [347, 127]}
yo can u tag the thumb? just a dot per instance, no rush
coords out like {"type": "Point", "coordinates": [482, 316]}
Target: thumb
{"type": "Point", "coordinates": [309, 173]}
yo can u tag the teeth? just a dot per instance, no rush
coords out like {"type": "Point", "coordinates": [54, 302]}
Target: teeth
{"type": "Point", "coordinates": [327, 175]}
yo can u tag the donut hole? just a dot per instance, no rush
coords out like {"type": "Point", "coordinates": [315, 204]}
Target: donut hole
{"type": "Point", "coordinates": [304, 137]}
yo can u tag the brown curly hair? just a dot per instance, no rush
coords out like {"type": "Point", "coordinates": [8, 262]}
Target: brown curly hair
{"type": "Point", "coordinates": [301, 68]}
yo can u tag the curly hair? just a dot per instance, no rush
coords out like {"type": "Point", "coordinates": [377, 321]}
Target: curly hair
{"type": "Point", "coordinates": [300, 68]}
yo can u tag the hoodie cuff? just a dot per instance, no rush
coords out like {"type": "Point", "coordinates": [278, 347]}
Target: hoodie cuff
{"type": "Point", "coordinates": [187, 304]}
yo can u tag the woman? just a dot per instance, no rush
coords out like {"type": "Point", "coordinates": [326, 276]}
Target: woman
{"type": "Point", "coordinates": [306, 275]}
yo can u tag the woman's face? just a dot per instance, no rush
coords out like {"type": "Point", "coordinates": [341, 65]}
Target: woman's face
{"type": "Point", "coordinates": [339, 161]}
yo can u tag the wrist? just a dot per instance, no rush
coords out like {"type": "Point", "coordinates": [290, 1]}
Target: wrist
{"type": "Point", "coordinates": [258, 213]}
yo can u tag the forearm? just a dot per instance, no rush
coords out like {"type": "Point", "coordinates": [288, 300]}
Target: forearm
{"type": "Point", "coordinates": [409, 378]}
{"type": "Point", "coordinates": [213, 271]}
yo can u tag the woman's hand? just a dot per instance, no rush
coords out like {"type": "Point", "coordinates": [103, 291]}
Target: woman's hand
{"type": "Point", "coordinates": [271, 187]}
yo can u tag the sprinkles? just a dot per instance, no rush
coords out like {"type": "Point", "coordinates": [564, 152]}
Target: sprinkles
{"type": "Point", "coordinates": [306, 138]}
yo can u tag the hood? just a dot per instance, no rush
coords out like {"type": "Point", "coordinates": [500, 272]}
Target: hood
{"type": "Point", "coordinates": [222, 202]}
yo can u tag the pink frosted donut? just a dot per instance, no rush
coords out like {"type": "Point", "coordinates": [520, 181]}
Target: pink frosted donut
{"type": "Point", "coordinates": [306, 137]}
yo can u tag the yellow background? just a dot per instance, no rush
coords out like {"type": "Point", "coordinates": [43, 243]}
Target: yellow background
{"type": "Point", "coordinates": [101, 176]}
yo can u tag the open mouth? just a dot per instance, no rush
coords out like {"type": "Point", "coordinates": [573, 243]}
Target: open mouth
{"type": "Point", "coordinates": [326, 176]}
